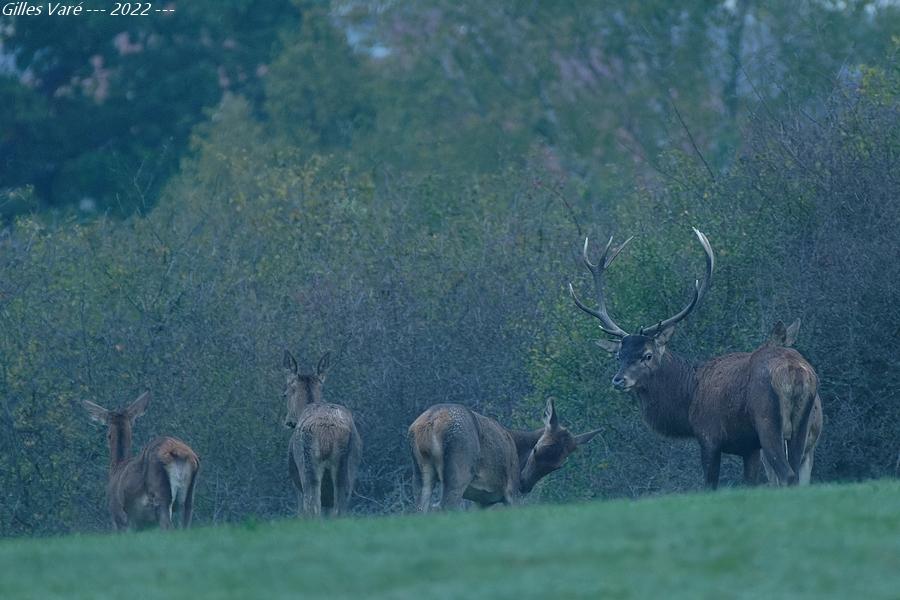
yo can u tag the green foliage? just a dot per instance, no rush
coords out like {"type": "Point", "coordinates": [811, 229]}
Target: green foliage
{"type": "Point", "coordinates": [101, 107]}
{"type": "Point", "coordinates": [699, 546]}
{"type": "Point", "coordinates": [420, 213]}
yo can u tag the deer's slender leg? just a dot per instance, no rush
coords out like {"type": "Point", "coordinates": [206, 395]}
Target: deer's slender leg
{"type": "Point", "coordinates": [164, 514]}
{"type": "Point", "coordinates": [188, 507]}
{"type": "Point", "coordinates": [511, 495]}
{"type": "Point", "coordinates": [294, 472]}
{"type": "Point", "coordinates": [328, 492]}
{"type": "Point", "coordinates": [806, 465]}
{"type": "Point", "coordinates": [312, 491]}
{"type": "Point", "coordinates": [343, 488]}
{"type": "Point", "coordinates": [425, 482]}
{"type": "Point", "coordinates": [119, 518]}
{"type": "Point", "coordinates": [457, 478]}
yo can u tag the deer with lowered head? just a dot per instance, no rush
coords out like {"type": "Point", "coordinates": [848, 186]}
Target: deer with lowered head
{"type": "Point", "coordinates": [756, 405]}
{"type": "Point", "coordinates": [151, 487]}
{"type": "Point", "coordinates": [473, 457]}
{"type": "Point", "coordinates": [325, 448]}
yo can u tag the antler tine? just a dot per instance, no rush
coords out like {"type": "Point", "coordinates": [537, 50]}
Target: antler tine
{"type": "Point", "coordinates": [606, 323]}
{"type": "Point", "coordinates": [616, 250]}
{"type": "Point", "coordinates": [699, 289]}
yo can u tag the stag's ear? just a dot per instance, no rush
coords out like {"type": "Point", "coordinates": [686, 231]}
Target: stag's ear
{"type": "Point", "coordinates": [323, 365]}
{"type": "Point", "coordinates": [662, 338]}
{"type": "Point", "coordinates": [139, 406]}
{"type": "Point", "coordinates": [551, 419]}
{"type": "Point", "coordinates": [611, 346]}
{"type": "Point", "coordinates": [584, 438]}
{"type": "Point", "coordinates": [95, 412]}
{"type": "Point", "coordinates": [289, 362]}
{"type": "Point", "coordinates": [790, 337]}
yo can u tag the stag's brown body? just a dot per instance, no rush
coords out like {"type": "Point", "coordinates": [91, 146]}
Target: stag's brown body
{"type": "Point", "coordinates": [325, 449]}
{"type": "Point", "coordinates": [473, 457]}
{"type": "Point", "coordinates": [737, 404]}
{"type": "Point", "coordinates": [153, 486]}
{"type": "Point", "coordinates": [762, 406]}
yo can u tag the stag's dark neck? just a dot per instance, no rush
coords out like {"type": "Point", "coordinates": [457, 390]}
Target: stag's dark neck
{"type": "Point", "coordinates": [525, 441]}
{"type": "Point", "coordinates": [665, 396]}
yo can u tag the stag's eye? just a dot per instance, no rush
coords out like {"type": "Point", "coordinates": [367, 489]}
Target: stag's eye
{"type": "Point", "coordinates": [647, 357]}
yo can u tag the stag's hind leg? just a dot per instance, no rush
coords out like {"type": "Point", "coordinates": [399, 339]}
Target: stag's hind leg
{"type": "Point", "coordinates": [753, 471]}
{"type": "Point", "coordinates": [711, 459]}
{"type": "Point", "coordinates": [774, 461]}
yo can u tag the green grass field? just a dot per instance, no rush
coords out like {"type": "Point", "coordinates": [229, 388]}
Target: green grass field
{"type": "Point", "coordinates": [819, 542]}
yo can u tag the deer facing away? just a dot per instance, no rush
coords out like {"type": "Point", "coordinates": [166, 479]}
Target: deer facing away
{"type": "Point", "coordinates": [743, 403]}
{"type": "Point", "coordinates": [151, 487]}
{"type": "Point", "coordinates": [474, 457]}
{"type": "Point", "coordinates": [325, 448]}
{"type": "Point", "coordinates": [786, 336]}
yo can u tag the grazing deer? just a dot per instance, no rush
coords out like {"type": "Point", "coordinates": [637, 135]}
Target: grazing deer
{"type": "Point", "coordinates": [740, 403]}
{"type": "Point", "coordinates": [151, 487]}
{"type": "Point", "coordinates": [474, 457]}
{"type": "Point", "coordinates": [325, 449]}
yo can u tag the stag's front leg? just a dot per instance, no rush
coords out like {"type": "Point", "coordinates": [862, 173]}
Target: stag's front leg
{"type": "Point", "coordinates": [711, 459]}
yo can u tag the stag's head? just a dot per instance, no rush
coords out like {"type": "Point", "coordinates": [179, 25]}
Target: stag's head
{"type": "Point", "coordinates": [552, 448]}
{"type": "Point", "coordinates": [302, 389]}
{"type": "Point", "coordinates": [638, 354]}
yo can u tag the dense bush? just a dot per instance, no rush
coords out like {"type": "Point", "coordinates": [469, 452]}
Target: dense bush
{"type": "Point", "coordinates": [436, 289]}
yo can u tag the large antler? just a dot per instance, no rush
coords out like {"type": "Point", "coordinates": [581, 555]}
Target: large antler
{"type": "Point", "coordinates": [606, 323]}
{"type": "Point", "coordinates": [699, 290]}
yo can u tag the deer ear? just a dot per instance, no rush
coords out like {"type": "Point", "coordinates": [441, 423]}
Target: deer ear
{"type": "Point", "coordinates": [584, 438]}
{"type": "Point", "coordinates": [551, 419]}
{"type": "Point", "coordinates": [289, 362]}
{"type": "Point", "coordinates": [663, 337]}
{"type": "Point", "coordinates": [790, 336]}
{"type": "Point", "coordinates": [322, 367]}
{"type": "Point", "coordinates": [139, 406]}
{"type": "Point", "coordinates": [611, 346]}
{"type": "Point", "coordinates": [778, 335]}
{"type": "Point", "coordinates": [95, 412]}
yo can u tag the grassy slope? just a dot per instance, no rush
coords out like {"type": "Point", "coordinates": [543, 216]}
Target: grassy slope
{"type": "Point", "coordinates": [824, 541]}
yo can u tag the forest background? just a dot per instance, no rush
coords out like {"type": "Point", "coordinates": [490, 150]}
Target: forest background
{"type": "Point", "coordinates": [408, 185]}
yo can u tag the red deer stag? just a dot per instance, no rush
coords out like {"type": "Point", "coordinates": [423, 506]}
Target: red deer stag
{"type": "Point", "coordinates": [737, 403]}
{"type": "Point", "coordinates": [151, 487]}
{"type": "Point", "coordinates": [325, 449]}
{"type": "Point", "coordinates": [474, 457]}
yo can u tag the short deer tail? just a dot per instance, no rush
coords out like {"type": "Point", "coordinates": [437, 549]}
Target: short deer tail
{"type": "Point", "coordinates": [173, 450]}
{"type": "Point", "coordinates": [795, 386]}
